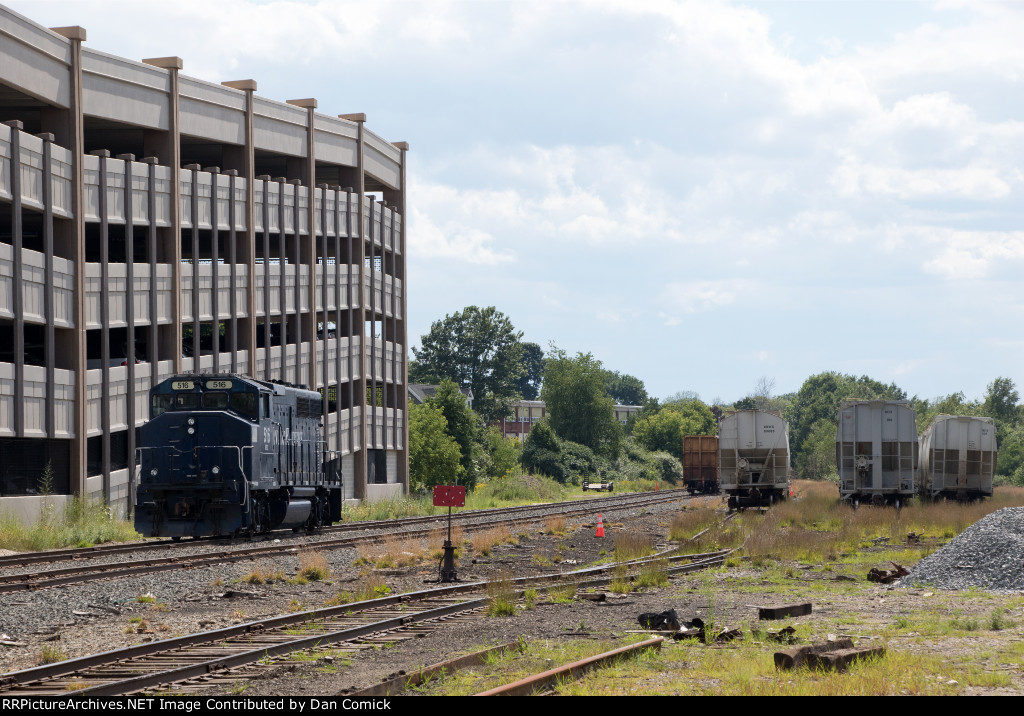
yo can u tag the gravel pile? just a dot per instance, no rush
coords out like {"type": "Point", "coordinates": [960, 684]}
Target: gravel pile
{"type": "Point", "coordinates": [987, 555]}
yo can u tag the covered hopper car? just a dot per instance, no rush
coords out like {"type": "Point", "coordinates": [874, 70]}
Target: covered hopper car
{"type": "Point", "coordinates": [229, 455]}
{"type": "Point", "coordinates": [753, 447]}
{"type": "Point", "coordinates": [958, 458]}
{"type": "Point", "coordinates": [876, 451]}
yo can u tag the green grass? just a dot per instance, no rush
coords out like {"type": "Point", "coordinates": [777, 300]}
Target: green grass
{"type": "Point", "coordinates": [82, 523]}
{"type": "Point", "coordinates": [501, 598]}
{"type": "Point", "coordinates": [564, 594]}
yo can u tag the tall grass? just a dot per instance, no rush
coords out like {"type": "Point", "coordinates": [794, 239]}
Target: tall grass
{"type": "Point", "coordinates": [81, 523]}
{"type": "Point", "coordinates": [632, 545]}
{"type": "Point", "coordinates": [818, 526]}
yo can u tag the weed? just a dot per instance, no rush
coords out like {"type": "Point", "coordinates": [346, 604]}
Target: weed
{"type": "Point", "coordinates": [296, 606]}
{"type": "Point", "coordinates": [652, 574]}
{"type": "Point", "coordinates": [563, 594]}
{"type": "Point", "coordinates": [264, 573]}
{"type": "Point", "coordinates": [529, 598]}
{"type": "Point", "coordinates": [484, 541]}
{"type": "Point", "coordinates": [238, 688]}
{"type": "Point", "coordinates": [554, 526]}
{"type": "Point", "coordinates": [145, 599]}
{"type": "Point", "coordinates": [76, 685]}
{"type": "Point", "coordinates": [997, 620]}
{"type": "Point", "coordinates": [339, 599]}
{"type": "Point", "coordinates": [501, 596]}
{"type": "Point", "coordinates": [51, 654]}
{"type": "Point", "coordinates": [313, 565]}
{"type": "Point", "coordinates": [83, 521]}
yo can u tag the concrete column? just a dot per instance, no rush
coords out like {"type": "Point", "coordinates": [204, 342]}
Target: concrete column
{"type": "Point", "coordinates": [173, 65]}
{"type": "Point", "coordinates": [403, 325]}
{"type": "Point", "coordinates": [76, 145]}
{"type": "Point", "coordinates": [359, 387]}
{"type": "Point", "coordinates": [308, 321]}
{"type": "Point", "coordinates": [249, 251]}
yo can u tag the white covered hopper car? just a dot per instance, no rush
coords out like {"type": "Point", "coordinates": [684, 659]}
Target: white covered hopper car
{"type": "Point", "coordinates": [753, 458]}
{"type": "Point", "coordinates": [876, 451]}
{"type": "Point", "coordinates": [958, 458]}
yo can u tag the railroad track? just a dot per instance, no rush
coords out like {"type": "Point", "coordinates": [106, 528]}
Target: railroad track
{"type": "Point", "coordinates": [201, 660]}
{"type": "Point", "coordinates": [25, 559]}
{"type": "Point", "coordinates": [88, 573]}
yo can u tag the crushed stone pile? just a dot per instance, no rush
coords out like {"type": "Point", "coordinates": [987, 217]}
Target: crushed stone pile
{"type": "Point", "coordinates": [988, 555]}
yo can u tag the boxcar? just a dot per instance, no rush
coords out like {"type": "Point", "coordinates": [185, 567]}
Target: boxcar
{"type": "Point", "coordinates": [876, 451]}
{"type": "Point", "coordinates": [700, 464]}
{"type": "Point", "coordinates": [753, 447]}
{"type": "Point", "coordinates": [958, 458]}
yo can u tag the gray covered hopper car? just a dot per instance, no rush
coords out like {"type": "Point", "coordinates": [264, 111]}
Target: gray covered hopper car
{"type": "Point", "coordinates": [753, 458]}
{"type": "Point", "coordinates": [958, 458]}
{"type": "Point", "coordinates": [876, 451]}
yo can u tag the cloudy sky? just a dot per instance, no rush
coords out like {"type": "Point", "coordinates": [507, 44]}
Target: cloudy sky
{"type": "Point", "coordinates": [701, 194]}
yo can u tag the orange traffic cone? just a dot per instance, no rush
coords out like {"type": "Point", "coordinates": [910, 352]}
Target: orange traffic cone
{"type": "Point", "coordinates": [600, 526]}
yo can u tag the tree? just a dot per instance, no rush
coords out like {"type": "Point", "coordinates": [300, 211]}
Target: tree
{"type": "Point", "coordinates": [533, 365]}
{"type": "Point", "coordinates": [665, 429]}
{"type": "Point", "coordinates": [462, 425]}
{"type": "Point", "coordinates": [1001, 402]}
{"type": "Point", "coordinates": [816, 459]}
{"type": "Point", "coordinates": [501, 454]}
{"type": "Point", "coordinates": [434, 456]}
{"type": "Point", "coordinates": [819, 398]}
{"type": "Point", "coordinates": [625, 389]}
{"type": "Point", "coordinates": [952, 404]}
{"type": "Point", "coordinates": [578, 407]}
{"type": "Point", "coordinates": [478, 349]}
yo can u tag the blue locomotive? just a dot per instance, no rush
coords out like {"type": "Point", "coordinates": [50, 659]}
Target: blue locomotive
{"type": "Point", "coordinates": [229, 455]}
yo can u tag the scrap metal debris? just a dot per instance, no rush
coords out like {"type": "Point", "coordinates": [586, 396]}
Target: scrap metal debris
{"type": "Point", "coordinates": [663, 621]}
{"type": "Point", "coordinates": [887, 576]}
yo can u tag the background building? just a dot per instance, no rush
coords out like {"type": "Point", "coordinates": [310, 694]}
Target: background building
{"type": "Point", "coordinates": [152, 223]}
{"type": "Point", "coordinates": [527, 412]}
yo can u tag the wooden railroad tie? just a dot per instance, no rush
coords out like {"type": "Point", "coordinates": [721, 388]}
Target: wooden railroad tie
{"type": "Point", "coordinates": [831, 656]}
{"type": "Point", "coordinates": [792, 610]}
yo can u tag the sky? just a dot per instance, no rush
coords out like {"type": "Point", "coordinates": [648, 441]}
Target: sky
{"type": "Point", "coordinates": [700, 194]}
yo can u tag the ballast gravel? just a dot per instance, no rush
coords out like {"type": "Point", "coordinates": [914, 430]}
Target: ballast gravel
{"type": "Point", "coordinates": [988, 555]}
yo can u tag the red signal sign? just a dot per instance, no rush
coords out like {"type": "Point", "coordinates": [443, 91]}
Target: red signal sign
{"type": "Point", "coordinates": [449, 496]}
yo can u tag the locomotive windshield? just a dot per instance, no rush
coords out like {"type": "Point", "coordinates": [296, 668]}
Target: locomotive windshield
{"type": "Point", "coordinates": [206, 394]}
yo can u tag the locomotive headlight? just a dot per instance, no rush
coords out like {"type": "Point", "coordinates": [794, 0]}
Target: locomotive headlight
{"type": "Point", "coordinates": [215, 470]}
{"type": "Point", "coordinates": [191, 421]}
{"type": "Point", "coordinates": [153, 472]}
{"type": "Point", "coordinates": [191, 431]}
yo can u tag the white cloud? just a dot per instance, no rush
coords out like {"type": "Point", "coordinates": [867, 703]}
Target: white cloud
{"type": "Point", "coordinates": [453, 240]}
{"type": "Point", "coordinates": [982, 183]}
{"type": "Point", "coordinates": [699, 296]}
{"type": "Point", "coordinates": [963, 255]}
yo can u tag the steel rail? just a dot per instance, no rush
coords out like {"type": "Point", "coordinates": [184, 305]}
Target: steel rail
{"type": "Point", "coordinates": [627, 499]}
{"type": "Point", "coordinates": [34, 680]}
{"type": "Point", "coordinates": [70, 575]}
{"type": "Point", "coordinates": [532, 684]}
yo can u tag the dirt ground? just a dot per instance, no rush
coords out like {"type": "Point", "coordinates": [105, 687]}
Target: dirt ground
{"type": "Point", "coordinates": [915, 620]}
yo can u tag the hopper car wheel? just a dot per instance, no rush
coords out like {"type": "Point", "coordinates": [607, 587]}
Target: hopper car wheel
{"type": "Point", "coordinates": [877, 500]}
{"type": "Point", "coordinates": [856, 504]}
{"type": "Point", "coordinates": [176, 538]}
